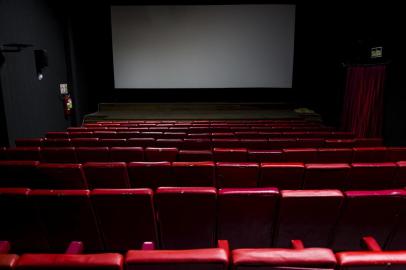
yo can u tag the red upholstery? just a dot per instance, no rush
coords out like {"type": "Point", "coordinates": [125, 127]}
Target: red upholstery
{"type": "Point", "coordinates": [195, 155]}
{"type": "Point", "coordinates": [226, 142]}
{"type": "Point", "coordinates": [126, 217]}
{"type": "Point", "coordinates": [187, 217]}
{"type": "Point", "coordinates": [241, 174]}
{"type": "Point", "coordinates": [60, 176]}
{"type": "Point", "coordinates": [326, 176]}
{"type": "Point", "coordinates": [81, 134]}
{"type": "Point", "coordinates": [104, 134]}
{"type": "Point", "coordinates": [310, 142]}
{"type": "Point", "coordinates": [282, 175]}
{"type": "Point", "coordinates": [339, 143]}
{"type": "Point", "coordinates": [245, 216]}
{"type": "Point", "coordinates": [400, 176]}
{"type": "Point", "coordinates": [23, 153]}
{"type": "Point", "coordinates": [396, 154]}
{"type": "Point", "coordinates": [105, 261]}
{"type": "Point", "coordinates": [57, 142]}
{"type": "Point", "coordinates": [255, 143]}
{"type": "Point", "coordinates": [369, 154]}
{"type": "Point", "coordinates": [368, 142]}
{"type": "Point", "coordinates": [126, 154]}
{"type": "Point", "coordinates": [176, 143]}
{"type": "Point", "coordinates": [308, 215]}
{"type": "Point", "coordinates": [151, 174]}
{"type": "Point", "coordinates": [18, 173]}
{"type": "Point", "coordinates": [334, 155]}
{"type": "Point", "coordinates": [19, 224]}
{"type": "Point", "coordinates": [196, 143]}
{"type": "Point", "coordinates": [372, 176]}
{"type": "Point", "coordinates": [230, 154]}
{"type": "Point", "coordinates": [112, 142]}
{"type": "Point", "coordinates": [367, 213]}
{"type": "Point", "coordinates": [141, 142]}
{"type": "Point", "coordinates": [306, 155]}
{"type": "Point", "coordinates": [194, 174]}
{"type": "Point", "coordinates": [67, 215]}
{"type": "Point", "coordinates": [208, 259]}
{"type": "Point", "coordinates": [282, 143]}
{"type": "Point", "coordinates": [96, 154]}
{"type": "Point", "coordinates": [161, 154]}
{"type": "Point", "coordinates": [29, 142]}
{"type": "Point", "coordinates": [8, 261]}
{"type": "Point", "coordinates": [279, 258]}
{"type": "Point", "coordinates": [106, 175]}
{"type": "Point", "coordinates": [265, 155]}
{"type": "Point", "coordinates": [59, 155]}
{"type": "Point", "coordinates": [371, 260]}
{"type": "Point", "coordinates": [57, 134]}
{"type": "Point", "coordinates": [85, 142]}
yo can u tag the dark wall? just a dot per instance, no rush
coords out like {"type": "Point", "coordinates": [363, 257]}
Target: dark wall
{"type": "Point", "coordinates": [32, 107]}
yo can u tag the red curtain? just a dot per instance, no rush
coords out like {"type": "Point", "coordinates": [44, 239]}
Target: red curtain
{"type": "Point", "coordinates": [363, 100]}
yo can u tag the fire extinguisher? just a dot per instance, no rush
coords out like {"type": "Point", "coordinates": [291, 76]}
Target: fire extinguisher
{"type": "Point", "coordinates": [67, 105]}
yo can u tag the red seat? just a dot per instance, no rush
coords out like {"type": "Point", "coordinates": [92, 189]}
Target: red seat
{"type": "Point", "coordinates": [59, 155]}
{"type": "Point", "coordinates": [174, 135]}
{"type": "Point", "coordinates": [60, 176]}
{"type": "Point", "coordinates": [187, 217]}
{"type": "Point", "coordinates": [280, 143]}
{"type": "Point", "coordinates": [197, 143]}
{"type": "Point", "coordinates": [282, 175]}
{"type": "Point", "coordinates": [105, 261]}
{"type": "Point", "coordinates": [176, 143]}
{"type": "Point", "coordinates": [283, 259]}
{"type": "Point", "coordinates": [334, 155]}
{"type": "Point", "coordinates": [368, 142]}
{"type": "Point", "coordinates": [161, 154]}
{"type": "Point", "coordinates": [126, 217]}
{"type": "Point", "coordinates": [23, 153]}
{"type": "Point", "coordinates": [127, 154]}
{"type": "Point", "coordinates": [112, 142]}
{"type": "Point", "coordinates": [106, 175]}
{"type": "Point", "coordinates": [57, 142]}
{"type": "Point", "coordinates": [18, 173]}
{"type": "Point", "coordinates": [194, 174]}
{"type": "Point", "coordinates": [310, 142]}
{"type": "Point", "coordinates": [367, 213]}
{"type": "Point", "coordinates": [306, 155]}
{"type": "Point", "coordinates": [141, 142]}
{"type": "Point", "coordinates": [95, 154]}
{"type": "Point", "coordinates": [67, 215]}
{"type": "Point", "coordinates": [339, 143]}
{"type": "Point", "coordinates": [308, 215]}
{"type": "Point", "coordinates": [241, 174]}
{"type": "Point", "coordinates": [19, 224]}
{"type": "Point", "coordinates": [246, 216]}
{"type": "Point", "coordinates": [105, 134]}
{"type": "Point", "coordinates": [151, 174]}
{"type": "Point", "coordinates": [372, 176]}
{"type": "Point", "coordinates": [208, 259]}
{"type": "Point", "coordinates": [57, 135]}
{"type": "Point", "coordinates": [395, 154]}
{"type": "Point", "coordinates": [226, 143]}
{"type": "Point", "coordinates": [326, 176]}
{"type": "Point", "coordinates": [376, 260]}
{"type": "Point", "coordinates": [400, 176]}
{"type": "Point", "coordinates": [85, 142]}
{"type": "Point", "coordinates": [230, 154]}
{"type": "Point", "coordinates": [8, 261]}
{"type": "Point", "coordinates": [255, 143]}
{"type": "Point", "coordinates": [369, 154]}
{"type": "Point", "coordinates": [81, 134]}
{"type": "Point", "coordinates": [265, 155]}
{"type": "Point", "coordinates": [195, 155]}
{"type": "Point", "coordinates": [29, 142]}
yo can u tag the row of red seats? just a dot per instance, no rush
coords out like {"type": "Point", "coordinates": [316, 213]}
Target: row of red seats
{"type": "Point", "coordinates": [129, 154]}
{"type": "Point", "coordinates": [94, 175]}
{"type": "Point", "coordinates": [181, 218]}
{"type": "Point", "coordinates": [219, 258]}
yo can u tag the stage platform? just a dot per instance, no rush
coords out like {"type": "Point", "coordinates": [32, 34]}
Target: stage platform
{"type": "Point", "coordinates": [191, 111]}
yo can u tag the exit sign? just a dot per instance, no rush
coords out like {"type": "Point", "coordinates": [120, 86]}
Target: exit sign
{"type": "Point", "coordinates": [376, 52]}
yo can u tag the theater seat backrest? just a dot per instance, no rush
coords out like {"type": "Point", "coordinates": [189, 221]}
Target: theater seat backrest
{"type": "Point", "coordinates": [105, 261]}
{"type": "Point", "coordinates": [237, 174]}
{"type": "Point", "coordinates": [367, 213]}
{"type": "Point", "coordinates": [334, 155]}
{"type": "Point", "coordinates": [369, 154]}
{"type": "Point", "coordinates": [366, 176]}
{"type": "Point", "coordinates": [93, 154]}
{"type": "Point", "coordinates": [265, 155]}
{"type": "Point", "coordinates": [195, 155]}
{"type": "Point", "coordinates": [194, 174]}
{"type": "Point", "coordinates": [19, 224]}
{"type": "Point", "coordinates": [306, 155]}
{"type": "Point", "coordinates": [371, 260]}
{"type": "Point", "coordinates": [126, 217]}
{"type": "Point", "coordinates": [395, 154]}
{"type": "Point", "coordinates": [187, 217]}
{"type": "Point", "coordinates": [283, 259]}
{"type": "Point", "coordinates": [151, 174]}
{"type": "Point", "coordinates": [85, 142]}
{"type": "Point", "coordinates": [282, 175]}
{"type": "Point", "coordinates": [161, 154]}
{"type": "Point", "coordinates": [24, 153]}
{"type": "Point", "coordinates": [230, 154]}
{"type": "Point", "coordinates": [126, 154]}
{"type": "Point", "coordinates": [59, 155]}
{"type": "Point", "coordinates": [8, 261]}
{"type": "Point", "coordinates": [326, 176]}
{"type": "Point", "coordinates": [246, 217]}
{"type": "Point", "coordinates": [199, 259]}
{"type": "Point", "coordinates": [18, 173]}
{"type": "Point", "coordinates": [308, 215]}
{"type": "Point", "coordinates": [66, 216]}
{"type": "Point", "coordinates": [106, 175]}
{"type": "Point", "coordinates": [400, 176]}
{"type": "Point", "coordinates": [61, 176]}
{"type": "Point", "coordinates": [28, 142]}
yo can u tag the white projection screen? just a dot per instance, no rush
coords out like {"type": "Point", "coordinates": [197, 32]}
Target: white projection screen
{"type": "Point", "coordinates": [203, 46]}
